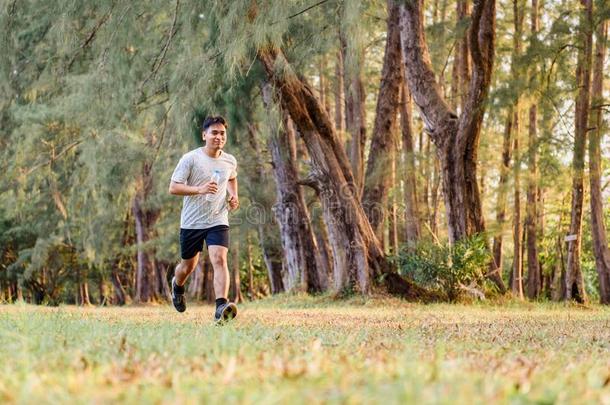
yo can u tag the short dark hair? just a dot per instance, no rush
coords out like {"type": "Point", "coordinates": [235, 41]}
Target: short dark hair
{"type": "Point", "coordinates": [214, 119]}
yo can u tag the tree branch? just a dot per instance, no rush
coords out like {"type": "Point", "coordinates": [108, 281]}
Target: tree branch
{"type": "Point", "coordinates": [160, 58]}
{"type": "Point", "coordinates": [91, 36]}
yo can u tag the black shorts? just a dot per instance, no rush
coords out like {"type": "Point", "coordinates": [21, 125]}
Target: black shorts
{"type": "Point", "coordinates": [191, 240]}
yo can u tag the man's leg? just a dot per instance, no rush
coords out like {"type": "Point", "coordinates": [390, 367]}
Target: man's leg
{"type": "Point", "coordinates": [185, 268]}
{"type": "Point", "coordinates": [224, 309]}
{"type": "Point", "coordinates": [218, 257]}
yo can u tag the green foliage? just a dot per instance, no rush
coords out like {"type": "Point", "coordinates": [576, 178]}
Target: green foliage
{"type": "Point", "coordinates": [449, 268]}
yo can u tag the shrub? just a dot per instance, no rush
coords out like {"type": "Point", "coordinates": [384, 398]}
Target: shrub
{"type": "Point", "coordinates": [448, 268]}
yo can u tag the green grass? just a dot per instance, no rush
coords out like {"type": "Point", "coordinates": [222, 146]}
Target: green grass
{"type": "Point", "coordinates": [307, 350]}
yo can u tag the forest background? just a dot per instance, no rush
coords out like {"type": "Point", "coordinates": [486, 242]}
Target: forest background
{"type": "Point", "coordinates": [437, 151]}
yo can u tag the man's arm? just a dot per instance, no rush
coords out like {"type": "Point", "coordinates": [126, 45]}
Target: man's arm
{"type": "Point", "coordinates": [232, 190]}
{"type": "Point", "coordinates": [182, 189]}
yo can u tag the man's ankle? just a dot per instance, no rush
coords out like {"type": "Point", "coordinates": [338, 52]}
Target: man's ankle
{"type": "Point", "coordinates": [220, 301]}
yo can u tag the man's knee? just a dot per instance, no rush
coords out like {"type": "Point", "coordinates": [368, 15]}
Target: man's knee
{"type": "Point", "coordinates": [218, 258]}
{"type": "Point", "coordinates": [188, 265]}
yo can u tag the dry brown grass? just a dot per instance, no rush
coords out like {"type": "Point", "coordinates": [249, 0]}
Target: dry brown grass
{"type": "Point", "coordinates": [307, 350]}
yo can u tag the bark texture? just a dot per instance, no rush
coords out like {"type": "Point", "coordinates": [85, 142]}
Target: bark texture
{"type": "Point", "coordinates": [378, 183]}
{"type": "Point", "coordinates": [357, 253]}
{"type": "Point", "coordinates": [534, 274]}
{"type": "Point", "coordinates": [412, 224]}
{"type": "Point", "coordinates": [355, 109]}
{"type": "Point", "coordinates": [575, 289]}
{"type": "Point", "coordinates": [304, 271]}
{"type": "Point", "coordinates": [598, 230]}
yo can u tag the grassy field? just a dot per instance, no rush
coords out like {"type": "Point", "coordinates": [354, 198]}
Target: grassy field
{"type": "Point", "coordinates": [307, 350]}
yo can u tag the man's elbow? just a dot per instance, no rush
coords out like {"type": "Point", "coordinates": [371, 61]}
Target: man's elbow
{"type": "Point", "coordinates": [172, 188]}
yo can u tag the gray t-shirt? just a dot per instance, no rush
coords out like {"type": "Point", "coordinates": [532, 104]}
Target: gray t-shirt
{"type": "Point", "coordinates": [195, 169]}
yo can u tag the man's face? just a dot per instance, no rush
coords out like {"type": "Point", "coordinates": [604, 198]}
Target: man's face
{"type": "Point", "coordinates": [215, 136]}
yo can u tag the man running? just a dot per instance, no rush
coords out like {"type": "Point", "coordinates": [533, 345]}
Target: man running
{"type": "Point", "coordinates": [204, 177]}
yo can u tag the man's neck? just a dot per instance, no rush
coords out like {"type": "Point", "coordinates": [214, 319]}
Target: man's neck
{"type": "Point", "coordinates": [213, 153]}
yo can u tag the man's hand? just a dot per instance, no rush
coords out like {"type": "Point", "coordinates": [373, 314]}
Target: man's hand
{"type": "Point", "coordinates": [208, 188]}
{"type": "Point", "coordinates": [233, 203]}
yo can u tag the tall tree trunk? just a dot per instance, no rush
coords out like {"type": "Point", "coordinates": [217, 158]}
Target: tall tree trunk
{"type": "Point", "coordinates": [324, 86]}
{"type": "Point", "coordinates": [272, 253]}
{"type": "Point", "coordinates": [574, 280]}
{"type": "Point", "coordinates": [151, 284]}
{"type": "Point", "coordinates": [272, 257]}
{"type": "Point", "coordinates": [463, 55]}
{"type": "Point", "coordinates": [598, 230]}
{"type": "Point", "coordinates": [146, 280]}
{"type": "Point", "coordinates": [355, 111]}
{"type": "Point", "coordinates": [120, 297]}
{"type": "Point", "coordinates": [250, 269]}
{"type": "Point", "coordinates": [502, 193]}
{"type": "Point", "coordinates": [339, 95]}
{"type": "Point", "coordinates": [534, 275]}
{"type": "Point", "coordinates": [83, 286]}
{"type": "Point", "coordinates": [456, 139]}
{"type": "Point", "coordinates": [298, 240]}
{"type": "Point", "coordinates": [377, 182]}
{"type": "Point", "coordinates": [412, 227]}
{"type": "Point", "coordinates": [435, 196]}
{"type": "Point", "coordinates": [517, 279]}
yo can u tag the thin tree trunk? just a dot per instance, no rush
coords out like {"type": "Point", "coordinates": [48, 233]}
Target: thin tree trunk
{"type": "Point", "coordinates": [324, 86]}
{"type": "Point", "coordinates": [272, 253]}
{"type": "Point", "coordinates": [574, 279]}
{"type": "Point", "coordinates": [250, 269]}
{"type": "Point", "coordinates": [423, 166]}
{"type": "Point", "coordinates": [355, 111]}
{"type": "Point", "coordinates": [145, 273]}
{"type": "Point", "coordinates": [339, 95]}
{"type": "Point", "coordinates": [534, 276]}
{"type": "Point", "coordinates": [120, 297]}
{"type": "Point", "coordinates": [83, 284]}
{"type": "Point", "coordinates": [598, 229]}
{"type": "Point", "coordinates": [517, 280]}
{"type": "Point", "coordinates": [502, 193]}
{"type": "Point", "coordinates": [273, 260]}
{"type": "Point", "coordinates": [377, 182]}
{"type": "Point", "coordinates": [321, 232]}
{"type": "Point", "coordinates": [412, 226]}
{"type": "Point", "coordinates": [558, 281]}
{"type": "Point", "coordinates": [463, 55]}
{"type": "Point", "coordinates": [435, 197]}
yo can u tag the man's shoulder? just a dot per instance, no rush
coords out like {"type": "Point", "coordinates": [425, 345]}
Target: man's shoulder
{"type": "Point", "coordinates": [191, 155]}
{"type": "Point", "coordinates": [192, 152]}
{"type": "Point", "coordinates": [229, 157]}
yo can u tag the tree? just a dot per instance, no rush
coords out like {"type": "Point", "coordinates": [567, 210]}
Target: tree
{"type": "Point", "coordinates": [383, 142]}
{"type": "Point", "coordinates": [596, 123]}
{"type": "Point", "coordinates": [534, 276]}
{"type": "Point", "coordinates": [305, 269]}
{"type": "Point", "coordinates": [574, 280]}
{"type": "Point", "coordinates": [456, 138]}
